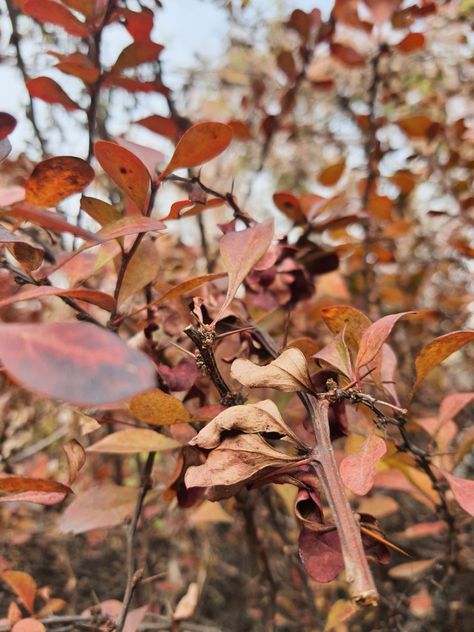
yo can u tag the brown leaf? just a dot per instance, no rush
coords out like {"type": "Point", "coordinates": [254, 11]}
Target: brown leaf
{"type": "Point", "coordinates": [133, 441]}
{"type": "Point", "coordinates": [74, 361]}
{"type": "Point", "coordinates": [463, 491]}
{"type": "Point", "coordinates": [98, 508]}
{"type": "Point", "coordinates": [30, 257]}
{"type": "Point", "coordinates": [102, 212]}
{"type": "Point", "coordinates": [187, 286]}
{"type": "Point", "coordinates": [290, 206]}
{"type": "Point", "coordinates": [358, 470]}
{"type": "Point", "coordinates": [34, 490]}
{"type": "Point", "coordinates": [126, 170]}
{"type": "Point", "coordinates": [240, 251]}
{"type": "Point", "coordinates": [23, 585]}
{"type": "Point", "coordinates": [158, 408]}
{"type": "Point", "coordinates": [7, 124]}
{"type": "Point", "coordinates": [347, 55]}
{"type": "Point", "coordinates": [76, 458]}
{"type": "Point", "coordinates": [250, 419]}
{"type": "Point", "coordinates": [438, 350]}
{"type": "Point", "coordinates": [235, 460]}
{"type": "Point", "coordinates": [200, 143]}
{"type": "Point", "coordinates": [288, 373]}
{"type": "Point", "coordinates": [57, 178]}
{"type": "Point", "coordinates": [347, 319]}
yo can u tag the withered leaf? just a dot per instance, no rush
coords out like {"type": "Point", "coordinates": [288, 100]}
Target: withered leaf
{"type": "Point", "coordinates": [288, 373]}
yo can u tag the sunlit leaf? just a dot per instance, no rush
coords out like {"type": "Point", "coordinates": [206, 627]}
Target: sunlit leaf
{"type": "Point", "coordinates": [126, 170]}
{"type": "Point", "coordinates": [23, 585]}
{"type": "Point", "coordinates": [101, 212]}
{"type": "Point", "coordinates": [57, 178]}
{"type": "Point", "coordinates": [199, 144]}
{"type": "Point", "coordinates": [52, 12]}
{"type": "Point", "coordinates": [332, 174]}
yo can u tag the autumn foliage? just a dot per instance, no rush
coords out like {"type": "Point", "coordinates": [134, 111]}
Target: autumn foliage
{"type": "Point", "coordinates": [235, 337]}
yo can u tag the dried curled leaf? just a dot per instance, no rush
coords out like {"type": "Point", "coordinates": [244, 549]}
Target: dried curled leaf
{"type": "Point", "coordinates": [236, 460]}
{"type": "Point", "coordinates": [288, 373]}
{"type": "Point", "coordinates": [249, 419]}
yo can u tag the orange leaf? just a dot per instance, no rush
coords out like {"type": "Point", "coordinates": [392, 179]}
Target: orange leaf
{"type": "Point", "coordinates": [347, 319]}
{"type": "Point", "coordinates": [200, 143]}
{"type": "Point", "coordinates": [57, 178]}
{"type": "Point", "coordinates": [438, 350]}
{"type": "Point", "coordinates": [102, 212]}
{"type": "Point", "coordinates": [290, 206]}
{"type": "Point", "coordinates": [30, 257]}
{"type": "Point", "coordinates": [105, 301]}
{"type": "Point", "coordinates": [54, 13]}
{"type": "Point", "coordinates": [416, 126]}
{"type": "Point", "coordinates": [331, 175]}
{"type": "Point", "coordinates": [28, 625]}
{"type": "Point", "coordinates": [77, 65]}
{"type": "Point", "coordinates": [23, 585]}
{"type": "Point", "coordinates": [48, 90]}
{"type": "Point", "coordinates": [412, 42]}
{"type": "Point", "coordinates": [158, 408]}
{"type": "Point", "coordinates": [125, 169]}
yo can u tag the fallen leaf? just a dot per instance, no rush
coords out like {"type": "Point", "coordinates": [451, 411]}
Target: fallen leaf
{"type": "Point", "coordinates": [158, 408]}
{"type": "Point", "coordinates": [438, 350]}
{"type": "Point", "coordinates": [200, 143]}
{"type": "Point", "coordinates": [74, 361]}
{"type": "Point", "coordinates": [288, 373]}
{"type": "Point", "coordinates": [358, 470]}
{"type": "Point", "coordinates": [133, 441]}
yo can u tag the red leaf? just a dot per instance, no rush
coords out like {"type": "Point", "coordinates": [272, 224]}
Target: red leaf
{"type": "Point", "coordinates": [358, 470]}
{"type": "Point", "coordinates": [49, 91]}
{"type": "Point", "coordinates": [34, 490]}
{"type": "Point", "coordinates": [75, 362]}
{"type": "Point", "coordinates": [54, 13]}
{"type": "Point", "coordinates": [240, 252]}
{"type": "Point", "coordinates": [135, 85]}
{"type": "Point", "coordinates": [125, 169]}
{"type": "Point", "coordinates": [463, 490]}
{"type": "Point", "coordinates": [7, 124]}
{"type": "Point", "coordinates": [161, 125]}
{"type": "Point", "coordinates": [138, 23]}
{"type": "Point", "coordinates": [438, 350]}
{"type": "Point", "coordinates": [48, 219]}
{"type": "Point", "coordinates": [57, 178]}
{"type": "Point", "coordinates": [30, 257]}
{"type": "Point", "coordinates": [412, 42]}
{"type": "Point", "coordinates": [200, 143]}
{"type": "Point", "coordinates": [77, 65]}
{"type": "Point", "coordinates": [347, 55]}
{"type": "Point", "coordinates": [23, 585]}
{"type": "Point", "coordinates": [136, 54]}
{"type": "Point", "coordinates": [375, 336]}
{"type": "Point", "coordinates": [321, 554]}
{"type": "Point", "coordinates": [105, 301]}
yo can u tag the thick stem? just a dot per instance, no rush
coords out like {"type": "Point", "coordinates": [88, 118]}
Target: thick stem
{"type": "Point", "coordinates": [362, 586]}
